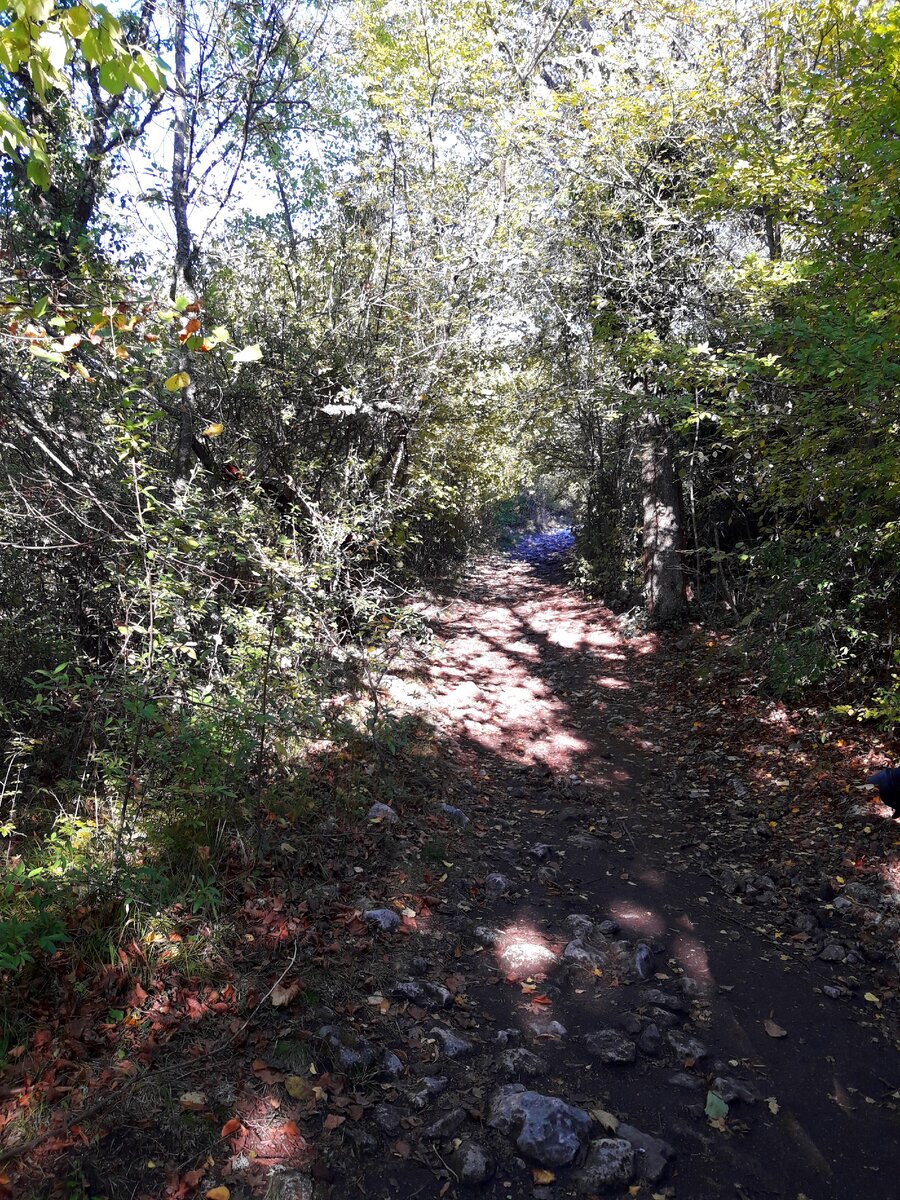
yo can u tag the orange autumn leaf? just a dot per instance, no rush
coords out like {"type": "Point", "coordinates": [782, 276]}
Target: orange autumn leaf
{"type": "Point", "coordinates": [231, 1127]}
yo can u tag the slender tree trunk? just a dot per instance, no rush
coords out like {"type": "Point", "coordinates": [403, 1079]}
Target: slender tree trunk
{"type": "Point", "coordinates": [663, 532]}
{"type": "Point", "coordinates": [183, 279]}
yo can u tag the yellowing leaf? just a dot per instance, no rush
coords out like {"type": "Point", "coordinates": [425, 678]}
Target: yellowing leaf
{"type": "Point", "coordinates": [872, 999]}
{"type": "Point", "coordinates": [212, 431]}
{"type": "Point", "coordinates": [248, 354]}
{"type": "Point", "coordinates": [773, 1105]}
{"type": "Point", "coordinates": [177, 381]}
{"type": "Point", "coordinates": [218, 1193]}
{"type": "Point", "coordinates": [540, 1175]}
{"type": "Point", "coordinates": [298, 1088]}
{"type": "Point", "coordinates": [606, 1119]}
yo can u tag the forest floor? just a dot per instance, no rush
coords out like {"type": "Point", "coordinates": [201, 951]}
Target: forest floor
{"type": "Point", "coordinates": [641, 938]}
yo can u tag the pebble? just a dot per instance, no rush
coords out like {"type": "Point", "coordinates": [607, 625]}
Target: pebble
{"type": "Point", "coordinates": [384, 919]}
{"type": "Point", "coordinates": [610, 1046]}
{"type": "Point", "coordinates": [662, 1000]}
{"type": "Point", "coordinates": [421, 993]}
{"type": "Point", "coordinates": [433, 1085]}
{"type": "Point", "coordinates": [544, 1027]}
{"type": "Point", "coordinates": [497, 885]}
{"type": "Point", "coordinates": [650, 1154]}
{"type": "Point", "coordinates": [521, 1063]}
{"type": "Point", "coordinates": [681, 1079]}
{"type": "Point", "coordinates": [545, 1128]}
{"type": "Point", "coordinates": [507, 1037]}
{"type": "Point", "coordinates": [609, 1165]}
{"type": "Point", "coordinates": [650, 1041]}
{"type": "Point", "coordinates": [290, 1185]}
{"type": "Point", "coordinates": [446, 1125]}
{"type": "Point", "coordinates": [731, 1089]}
{"type": "Point", "coordinates": [488, 936]}
{"type": "Point", "coordinates": [391, 1066]}
{"type": "Point", "coordinates": [471, 1163]}
{"type": "Point", "coordinates": [833, 953]}
{"type": "Point", "coordinates": [580, 925]}
{"type": "Point", "coordinates": [684, 1045]}
{"type": "Point", "coordinates": [833, 993]}
{"type": "Point", "coordinates": [456, 815]}
{"type": "Point", "coordinates": [643, 961]}
{"type": "Point", "coordinates": [579, 952]}
{"type": "Point", "coordinates": [384, 813]}
{"type": "Point", "coordinates": [350, 1051]}
{"type": "Point", "coordinates": [387, 1118]}
{"type": "Point", "coordinates": [609, 928]}
{"type": "Point", "coordinates": [454, 1045]}
{"type": "Point", "coordinates": [541, 851]}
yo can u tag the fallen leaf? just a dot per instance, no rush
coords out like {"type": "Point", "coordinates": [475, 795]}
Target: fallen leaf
{"type": "Point", "coordinates": [333, 1121]}
{"type": "Point", "coordinates": [218, 1193]}
{"type": "Point", "coordinates": [231, 1127]}
{"type": "Point", "coordinates": [401, 1149]}
{"type": "Point", "coordinates": [192, 1101]}
{"type": "Point", "coordinates": [872, 999]}
{"type": "Point", "coordinates": [773, 1030]}
{"type": "Point", "coordinates": [606, 1119]}
{"type": "Point", "coordinates": [540, 1175]}
{"type": "Point", "coordinates": [716, 1108]}
{"type": "Point", "coordinates": [299, 1088]}
{"type": "Point", "coordinates": [283, 995]}
{"type": "Point", "coordinates": [774, 1107]}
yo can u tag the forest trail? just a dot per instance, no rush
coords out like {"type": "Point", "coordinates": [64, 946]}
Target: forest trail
{"type": "Point", "coordinates": [538, 684]}
{"type": "Point", "coordinates": [589, 894]}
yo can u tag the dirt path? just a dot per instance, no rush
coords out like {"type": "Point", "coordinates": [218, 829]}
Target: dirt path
{"type": "Point", "coordinates": [617, 962]}
{"type": "Point", "coordinates": [537, 685]}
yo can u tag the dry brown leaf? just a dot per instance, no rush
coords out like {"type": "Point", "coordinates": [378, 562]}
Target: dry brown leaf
{"type": "Point", "coordinates": [333, 1121]}
{"type": "Point", "coordinates": [192, 1101]}
{"type": "Point", "coordinates": [773, 1030]}
{"type": "Point", "coordinates": [540, 1175]}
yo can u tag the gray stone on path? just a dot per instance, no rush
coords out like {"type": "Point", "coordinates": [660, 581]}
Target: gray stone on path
{"type": "Point", "coordinates": [497, 885]}
{"type": "Point", "coordinates": [686, 1046]}
{"type": "Point", "coordinates": [349, 1051]}
{"type": "Point", "coordinates": [471, 1164]}
{"type": "Point", "coordinates": [650, 1154]}
{"type": "Point", "coordinates": [384, 813]}
{"type": "Point", "coordinates": [520, 1063]}
{"type": "Point", "coordinates": [545, 1128]}
{"type": "Point", "coordinates": [833, 953]}
{"type": "Point", "coordinates": [424, 992]}
{"type": "Point", "coordinates": [384, 919]}
{"type": "Point", "coordinates": [681, 1079]}
{"type": "Point", "coordinates": [446, 1124]}
{"type": "Point", "coordinates": [454, 1045]}
{"type": "Point", "coordinates": [456, 815]}
{"type": "Point", "coordinates": [545, 1027]}
{"type": "Point", "coordinates": [290, 1185]}
{"type": "Point", "coordinates": [487, 936]}
{"type": "Point", "coordinates": [610, 1046]}
{"type": "Point", "coordinates": [609, 1166]}
{"type": "Point", "coordinates": [583, 955]}
{"type": "Point", "coordinates": [650, 1041]}
{"type": "Point", "coordinates": [731, 1089]}
{"type": "Point", "coordinates": [391, 1066]}
{"type": "Point", "coordinates": [643, 961]}
{"type": "Point", "coordinates": [580, 925]}
{"type": "Point", "coordinates": [387, 1118]}
{"type": "Point", "coordinates": [433, 1085]}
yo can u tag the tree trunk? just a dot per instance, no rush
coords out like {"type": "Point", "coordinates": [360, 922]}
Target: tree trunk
{"type": "Point", "coordinates": [661, 495]}
{"type": "Point", "coordinates": [183, 275]}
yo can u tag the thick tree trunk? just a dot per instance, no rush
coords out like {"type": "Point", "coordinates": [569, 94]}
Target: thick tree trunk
{"type": "Point", "coordinates": [661, 495]}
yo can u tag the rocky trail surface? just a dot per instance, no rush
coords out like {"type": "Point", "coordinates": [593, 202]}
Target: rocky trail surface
{"type": "Point", "coordinates": [620, 944]}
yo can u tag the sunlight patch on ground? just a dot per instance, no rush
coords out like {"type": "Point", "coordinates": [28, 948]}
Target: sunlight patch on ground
{"type": "Point", "coordinates": [523, 952]}
{"type": "Point", "coordinates": [638, 920]}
